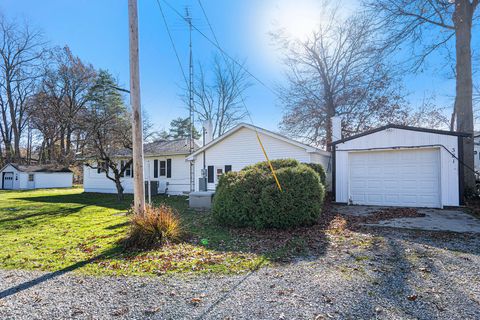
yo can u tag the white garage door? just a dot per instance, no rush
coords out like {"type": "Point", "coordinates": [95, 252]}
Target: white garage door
{"type": "Point", "coordinates": [396, 178]}
{"type": "Point", "coordinates": [8, 180]}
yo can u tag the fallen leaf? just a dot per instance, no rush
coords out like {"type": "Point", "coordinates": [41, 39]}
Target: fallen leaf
{"type": "Point", "coordinates": [412, 297]}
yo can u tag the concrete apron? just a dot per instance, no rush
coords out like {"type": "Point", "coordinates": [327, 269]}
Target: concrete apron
{"type": "Point", "coordinates": [450, 220]}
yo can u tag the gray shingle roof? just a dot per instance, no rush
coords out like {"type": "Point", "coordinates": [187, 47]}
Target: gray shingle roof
{"type": "Point", "coordinates": [163, 147]}
{"type": "Point", "coordinates": [40, 168]}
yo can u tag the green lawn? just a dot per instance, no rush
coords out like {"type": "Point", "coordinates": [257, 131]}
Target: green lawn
{"type": "Point", "coordinates": [64, 229]}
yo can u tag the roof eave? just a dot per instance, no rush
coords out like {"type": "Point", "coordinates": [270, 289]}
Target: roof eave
{"type": "Point", "coordinates": [400, 127]}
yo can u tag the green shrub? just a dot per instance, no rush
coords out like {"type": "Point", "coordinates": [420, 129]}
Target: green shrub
{"type": "Point", "coordinates": [318, 168]}
{"type": "Point", "coordinates": [299, 204]}
{"type": "Point", "coordinates": [276, 164]}
{"type": "Point", "coordinates": [250, 197]}
{"type": "Point", "coordinates": [237, 196]}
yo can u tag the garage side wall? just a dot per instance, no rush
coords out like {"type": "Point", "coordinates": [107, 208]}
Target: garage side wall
{"type": "Point", "coordinates": [53, 180]}
{"type": "Point", "coordinates": [389, 138]}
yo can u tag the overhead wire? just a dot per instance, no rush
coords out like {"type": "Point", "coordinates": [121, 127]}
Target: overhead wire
{"type": "Point", "coordinates": [225, 55]}
{"type": "Point", "coordinates": [172, 42]}
{"type": "Point", "coordinates": [216, 45]}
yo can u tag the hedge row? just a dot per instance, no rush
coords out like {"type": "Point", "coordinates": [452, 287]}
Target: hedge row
{"type": "Point", "coordinates": [251, 198]}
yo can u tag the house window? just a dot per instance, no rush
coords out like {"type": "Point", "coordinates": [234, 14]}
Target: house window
{"type": "Point", "coordinates": [169, 168]}
{"type": "Point", "coordinates": [122, 164]}
{"type": "Point", "coordinates": [128, 170]}
{"type": "Point", "coordinates": [219, 172]}
{"type": "Point", "coordinates": [162, 168]}
{"type": "Point", "coordinates": [210, 174]}
{"type": "Point", "coordinates": [228, 168]}
{"type": "Point", "coordinates": [30, 177]}
{"type": "Point", "coordinates": [155, 168]}
{"type": "Point", "coordinates": [102, 167]}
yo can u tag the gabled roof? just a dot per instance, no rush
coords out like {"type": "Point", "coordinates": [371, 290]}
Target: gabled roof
{"type": "Point", "coordinates": [259, 130]}
{"type": "Point", "coordinates": [396, 126]}
{"type": "Point", "coordinates": [38, 168]}
{"type": "Point", "coordinates": [162, 147]}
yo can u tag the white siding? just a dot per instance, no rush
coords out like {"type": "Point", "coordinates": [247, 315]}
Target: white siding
{"type": "Point", "coordinates": [179, 182]}
{"type": "Point", "coordinates": [52, 179]}
{"type": "Point", "coordinates": [326, 162]}
{"type": "Point", "coordinates": [41, 179]}
{"type": "Point", "coordinates": [241, 149]}
{"type": "Point", "coordinates": [394, 137]}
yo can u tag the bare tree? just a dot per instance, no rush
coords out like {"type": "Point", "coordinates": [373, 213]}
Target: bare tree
{"type": "Point", "coordinates": [428, 26]}
{"type": "Point", "coordinates": [21, 50]}
{"type": "Point", "coordinates": [220, 98]}
{"type": "Point", "coordinates": [65, 92]}
{"type": "Point", "coordinates": [337, 71]}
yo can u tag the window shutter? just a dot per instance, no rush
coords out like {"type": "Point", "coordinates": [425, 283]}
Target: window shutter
{"type": "Point", "coordinates": [155, 168]}
{"type": "Point", "coordinates": [169, 168]}
{"type": "Point", "coordinates": [122, 164]}
{"type": "Point", "coordinates": [210, 174]}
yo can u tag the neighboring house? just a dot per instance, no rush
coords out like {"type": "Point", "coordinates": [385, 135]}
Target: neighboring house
{"type": "Point", "coordinates": [399, 166]}
{"type": "Point", "coordinates": [20, 177]}
{"type": "Point", "coordinates": [164, 162]}
{"type": "Point", "coordinates": [239, 147]}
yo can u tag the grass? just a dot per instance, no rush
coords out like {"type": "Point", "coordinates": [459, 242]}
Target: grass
{"type": "Point", "coordinates": [57, 229]}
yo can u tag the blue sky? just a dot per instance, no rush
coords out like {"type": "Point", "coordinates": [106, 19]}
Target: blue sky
{"type": "Point", "coordinates": [97, 32]}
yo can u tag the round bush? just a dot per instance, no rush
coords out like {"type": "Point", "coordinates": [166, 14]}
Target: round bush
{"type": "Point", "coordinates": [250, 197]}
{"type": "Point", "coordinates": [299, 204]}
{"type": "Point", "coordinates": [276, 164]}
{"type": "Point", "coordinates": [237, 196]}
{"type": "Point", "coordinates": [318, 168]}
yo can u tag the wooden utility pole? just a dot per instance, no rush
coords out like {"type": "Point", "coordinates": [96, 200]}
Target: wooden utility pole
{"type": "Point", "coordinates": [137, 132]}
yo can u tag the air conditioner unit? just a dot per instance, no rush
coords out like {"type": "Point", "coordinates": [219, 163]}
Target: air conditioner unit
{"type": "Point", "coordinates": [162, 186]}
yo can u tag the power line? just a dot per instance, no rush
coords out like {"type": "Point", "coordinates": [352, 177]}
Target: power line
{"type": "Point", "coordinates": [243, 102]}
{"type": "Point", "coordinates": [216, 45]}
{"type": "Point", "coordinates": [172, 42]}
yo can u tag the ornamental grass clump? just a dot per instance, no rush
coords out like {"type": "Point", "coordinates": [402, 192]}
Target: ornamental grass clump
{"type": "Point", "coordinates": [156, 227]}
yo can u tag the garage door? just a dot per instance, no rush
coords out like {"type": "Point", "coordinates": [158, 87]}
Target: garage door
{"type": "Point", "coordinates": [396, 178]}
{"type": "Point", "coordinates": [8, 180]}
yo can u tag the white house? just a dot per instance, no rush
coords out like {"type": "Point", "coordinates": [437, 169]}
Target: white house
{"type": "Point", "coordinates": [399, 166]}
{"type": "Point", "coordinates": [239, 147]}
{"type": "Point", "coordinates": [164, 162]}
{"type": "Point", "coordinates": [20, 177]}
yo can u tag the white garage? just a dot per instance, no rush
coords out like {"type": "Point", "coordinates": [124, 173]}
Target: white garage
{"type": "Point", "coordinates": [399, 166]}
{"type": "Point", "coordinates": [22, 177]}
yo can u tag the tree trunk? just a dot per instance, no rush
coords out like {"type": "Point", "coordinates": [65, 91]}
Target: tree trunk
{"type": "Point", "coordinates": [462, 18]}
{"type": "Point", "coordinates": [119, 186]}
{"type": "Point", "coordinates": [13, 121]}
{"type": "Point", "coordinates": [330, 114]}
{"type": "Point", "coordinates": [8, 151]}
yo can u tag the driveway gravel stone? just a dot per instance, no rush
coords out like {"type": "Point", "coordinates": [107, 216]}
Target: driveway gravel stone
{"type": "Point", "coordinates": [382, 274]}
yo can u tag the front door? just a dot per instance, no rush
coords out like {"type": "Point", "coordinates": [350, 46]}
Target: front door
{"type": "Point", "coordinates": [8, 180]}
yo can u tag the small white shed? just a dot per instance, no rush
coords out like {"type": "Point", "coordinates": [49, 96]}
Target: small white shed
{"type": "Point", "coordinates": [239, 147]}
{"type": "Point", "coordinates": [399, 166]}
{"type": "Point", "coordinates": [20, 177]}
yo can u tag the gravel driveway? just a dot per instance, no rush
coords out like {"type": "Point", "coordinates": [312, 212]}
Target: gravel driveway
{"type": "Point", "coordinates": [378, 274]}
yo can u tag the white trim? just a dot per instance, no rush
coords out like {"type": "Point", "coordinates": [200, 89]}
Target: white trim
{"type": "Point", "coordinates": [307, 148]}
